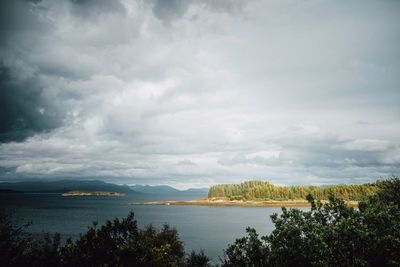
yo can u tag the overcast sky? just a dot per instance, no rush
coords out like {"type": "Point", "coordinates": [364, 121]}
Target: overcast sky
{"type": "Point", "coordinates": [195, 93]}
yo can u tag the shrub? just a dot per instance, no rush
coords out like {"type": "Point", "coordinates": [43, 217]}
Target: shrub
{"type": "Point", "coordinates": [198, 259]}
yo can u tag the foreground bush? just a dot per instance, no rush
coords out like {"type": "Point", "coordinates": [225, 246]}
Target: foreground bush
{"type": "Point", "coordinates": [329, 235]}
{"type": "Point", "coordinates": [117, 243]}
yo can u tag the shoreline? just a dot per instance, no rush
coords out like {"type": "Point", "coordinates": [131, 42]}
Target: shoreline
{"type": "Point", "coordinates": [92, 193]}
{"type": "Point", "coordinates": [236, 203]}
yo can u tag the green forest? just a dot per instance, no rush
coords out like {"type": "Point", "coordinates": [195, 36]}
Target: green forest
{"type": "Point", "coordinates": [260, 190]}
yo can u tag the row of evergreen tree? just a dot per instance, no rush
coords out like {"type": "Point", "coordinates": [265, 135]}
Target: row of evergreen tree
{"type": "Point", "coordinates": [260, 190]}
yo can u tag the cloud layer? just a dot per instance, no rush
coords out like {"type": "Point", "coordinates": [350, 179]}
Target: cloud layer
{"type": "Point", "coordinates": [193, 93]}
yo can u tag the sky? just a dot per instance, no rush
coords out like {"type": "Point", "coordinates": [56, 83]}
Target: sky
{"type": "Point", "coordinates": [195, 93]}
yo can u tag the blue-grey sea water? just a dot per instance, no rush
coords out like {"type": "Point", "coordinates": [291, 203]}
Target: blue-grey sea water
{"type": "Point", "coordinates": [199, 227]}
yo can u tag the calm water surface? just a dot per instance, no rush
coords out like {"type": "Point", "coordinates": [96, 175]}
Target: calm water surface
{"type": "Point", "coordinates": [199, 227]}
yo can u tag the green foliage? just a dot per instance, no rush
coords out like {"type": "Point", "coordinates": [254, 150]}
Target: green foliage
{"type": "Point", "coordinates": [266, 191]}
{"type": "Point", "coordinates": [45, 251]}
{"type": "Point", "coordinates": [165, 244]}
{"type": "Point", "coordinates": [247, 251]}
{"type": "Point", "coordinates": [330, 234]}
{"type": "Point", "coordinates": [198, 259]}
{"type": "Point", "coordinates": [389, 191]}
{"type": "Point", "coordinates": [116, 243]}
{"type": "Point", "coordinates": [14, 241]}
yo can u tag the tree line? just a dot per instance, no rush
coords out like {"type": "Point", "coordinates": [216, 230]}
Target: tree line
{"type": "Point", "coordinates": [260, 190]}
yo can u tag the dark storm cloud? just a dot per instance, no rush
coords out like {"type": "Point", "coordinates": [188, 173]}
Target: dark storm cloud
{"type": "Point", "coordinates": [86, 8]}
{"type": "Point", "coordinates": [24, 110]}
{"type": "Point", "coordinates": [28, 104]}
{"type": "Point", "coordinates": [16, 17]}
{"type": "Point", "coordinates": [169, 10]}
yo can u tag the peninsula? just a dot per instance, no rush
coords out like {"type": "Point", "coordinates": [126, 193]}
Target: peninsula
{"type": "Point", "coordinates": [236, 203]}
{"type": "Point", "coordinates": [264, 194]}
{"type": "Point", "coordinates": [91, 193]}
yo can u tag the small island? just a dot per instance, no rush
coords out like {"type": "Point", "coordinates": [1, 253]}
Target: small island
{"type": "Point", "coordinates": [91, 193]}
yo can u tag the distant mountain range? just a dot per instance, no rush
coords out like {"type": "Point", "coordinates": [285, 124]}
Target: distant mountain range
{"type": "Point", "coordinates": [63, 186]}
{"type": "Point", "coordinates": [167, 190]}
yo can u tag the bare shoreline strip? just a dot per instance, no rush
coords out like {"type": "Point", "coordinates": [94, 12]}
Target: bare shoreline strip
{"type": "Point", "coordinates": [234, 204]}
{"type": "Point", "coordinates": [91, 193]}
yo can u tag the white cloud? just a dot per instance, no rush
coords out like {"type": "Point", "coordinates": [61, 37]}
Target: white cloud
{"type": "Point", "coordinates": [368, 145]}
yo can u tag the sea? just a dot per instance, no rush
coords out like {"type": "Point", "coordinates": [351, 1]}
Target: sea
{"type": "Point", "coordinates": [199, 227]}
